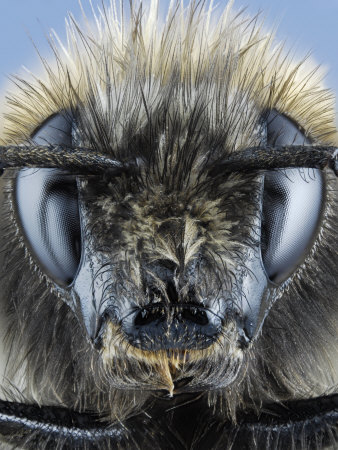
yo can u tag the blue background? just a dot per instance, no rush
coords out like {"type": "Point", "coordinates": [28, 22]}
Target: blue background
{"type": "Point", "coordinates": [306, 25]}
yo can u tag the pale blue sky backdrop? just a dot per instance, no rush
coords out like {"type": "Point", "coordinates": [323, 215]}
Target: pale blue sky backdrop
{"type": "Point", "coordinates": [306, 25]}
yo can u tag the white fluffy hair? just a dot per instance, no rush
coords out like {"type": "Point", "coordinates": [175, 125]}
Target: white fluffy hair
{"type": "Point", "coordinates": [129, 65]}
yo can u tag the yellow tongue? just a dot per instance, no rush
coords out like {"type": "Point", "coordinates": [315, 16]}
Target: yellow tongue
{"type": "Point", "coordinates": [165, 372]}
{"type": "Point", "coordinates": [168, 362]}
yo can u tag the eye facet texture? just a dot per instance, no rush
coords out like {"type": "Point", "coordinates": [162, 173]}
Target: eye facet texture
{"type": "Point", "coordinates": [47, 206]}
{"type": "Point", "coordinates": [292, 205]}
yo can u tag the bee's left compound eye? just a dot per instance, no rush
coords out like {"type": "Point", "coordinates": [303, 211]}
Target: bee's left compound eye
{"type": "Point", "coordinates": [292, 206]}
{"type": "Point", "coordinates": [48, 210]}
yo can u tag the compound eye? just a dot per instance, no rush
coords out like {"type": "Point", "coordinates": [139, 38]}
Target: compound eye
{"type": "Point", "coordinates": [48, 209]}
{"type": "Point", "coordinates": [292, 205]}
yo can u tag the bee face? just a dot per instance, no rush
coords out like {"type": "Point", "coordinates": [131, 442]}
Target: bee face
{"type": "Point", "coordinates": [135, 246]}
{"type": "Point", "coordinates": [168, 263]}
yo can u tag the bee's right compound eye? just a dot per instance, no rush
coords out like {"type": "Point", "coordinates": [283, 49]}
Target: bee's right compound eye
{"type": "Point", "coordinates": [48, 210]}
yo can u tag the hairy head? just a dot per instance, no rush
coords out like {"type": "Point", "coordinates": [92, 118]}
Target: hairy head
{"type": "Point", "coordinates": [161, 277]}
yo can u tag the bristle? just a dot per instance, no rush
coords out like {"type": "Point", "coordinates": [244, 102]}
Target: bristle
{"type": "Point", "coordinates": [126, 72]}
